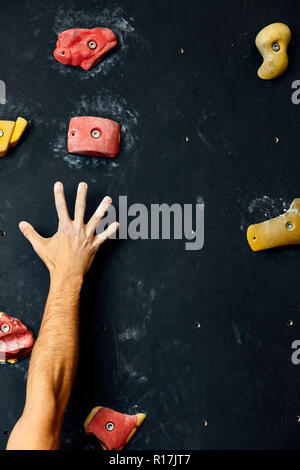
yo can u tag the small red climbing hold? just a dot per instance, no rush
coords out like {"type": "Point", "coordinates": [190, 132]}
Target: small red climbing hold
{"type": "Point", "coordinates": [16, 340]}
{"type": "Point", "coordinates": [94, 136]}
{"type": "Point", "coordinates": [84, 47]}
{"type": "Point", "coordinates": [114, 430]}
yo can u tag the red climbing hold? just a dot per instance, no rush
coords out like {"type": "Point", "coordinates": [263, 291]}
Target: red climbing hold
{"type": "Point", "coordinates": [16, 341]}
{"type": "Point", "coordinates": [94, 136]}
{"type": "Point", "coordinates": [114, 430]}
{"type": "Point", "coordinates": [84, 47]}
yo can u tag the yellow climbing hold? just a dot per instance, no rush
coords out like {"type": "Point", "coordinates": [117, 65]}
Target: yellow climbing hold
{"type": "Point", "coordinates": [280, 231]}
{"type": "Point", "coordinates": [6, 130]}
{"type": "Point", "coordinates": [272, 42]}
{"type": "Point", "coordinates": [19, 130]}
{"type": "Point", "coordinates": [10, 134]}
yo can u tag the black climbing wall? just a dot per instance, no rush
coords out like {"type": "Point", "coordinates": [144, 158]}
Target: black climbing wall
{"type": "Point", "coordinates": [140, 350]}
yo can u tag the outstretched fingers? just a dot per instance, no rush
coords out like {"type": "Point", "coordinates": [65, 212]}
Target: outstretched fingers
{"type": "Point", "coordinates": [80, 203]}
{"type": "Point", "coordinates": [60, 203]}
{"type": "Point", "coordinates": [98, 215]}
{"type": "Point", "coordinates": [99, 239]}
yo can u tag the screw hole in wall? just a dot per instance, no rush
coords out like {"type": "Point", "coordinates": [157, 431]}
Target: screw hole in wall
{"type": "Point", "coordinates": [2, 233]}
{"type": "Point", "coordinates": [197, 324]}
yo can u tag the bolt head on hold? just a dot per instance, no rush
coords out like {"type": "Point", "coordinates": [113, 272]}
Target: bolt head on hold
{"type": "Point", "coordinates": [92, 45]}
{"type": "Point", "coordinates": [5, 328]}
{"type": "Point", "coordinates": [110, 426]}
{"type": "Point", "coordinates": [96, 133]}
{"type": "Point", "coordinates": [94, 136]}
{"type": "Point", "coordinates": [1, 133]}
{"type": "Point", "coordinates": [289, 225]}
{"type": "Point", "coordinates": [276, 47]}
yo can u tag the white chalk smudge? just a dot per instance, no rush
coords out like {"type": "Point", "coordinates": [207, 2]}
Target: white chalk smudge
{"type": "Point", "coordinates": [152, 295]}
{"type": "Point", "coordinates": [130, 333]}
{"type": "Point", "coordinates": [142, 380]}
{"type": "Point", "coordinates": [140, 286]}
{"type": "Point", "coordinates": [243, 221]}
{"type": "Point", "coordinates": [268, 207]}
{"type": "Point", "coordinates": [205, 141]}
{"type": "Point", "coordinates": [130, 371]}
{"type": "Point", "coordinates": [260, 209]}
{"type": "Point", "coordinates": [236, 333]}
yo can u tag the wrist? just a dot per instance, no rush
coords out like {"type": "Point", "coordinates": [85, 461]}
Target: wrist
{"type": "Point", "coordinates": [62, 277]}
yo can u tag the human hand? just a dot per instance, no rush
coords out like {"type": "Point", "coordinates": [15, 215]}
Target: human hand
{"type": "Point", "coordinates": [71, 250]}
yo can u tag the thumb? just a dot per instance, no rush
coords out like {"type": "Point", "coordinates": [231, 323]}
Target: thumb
{"type": "Point", "coordinates": [29, 233]}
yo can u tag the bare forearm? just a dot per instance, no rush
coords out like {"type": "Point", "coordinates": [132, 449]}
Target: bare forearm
{"type": "Point", "coordinates": [55, 354]}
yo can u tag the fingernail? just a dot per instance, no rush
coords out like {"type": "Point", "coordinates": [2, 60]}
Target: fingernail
{"type": "Point", "coordinates": [58, 184]}
{"type": "Point", "coordinates": [107, 199]}
{"type": "Point", "coordinates": [82, 185]}
{"type": "Point", "coordinates": [22, 225]}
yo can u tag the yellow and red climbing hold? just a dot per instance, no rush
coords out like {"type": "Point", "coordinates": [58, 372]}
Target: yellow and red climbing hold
{"type": "Point", "coordinates": [114, 430]}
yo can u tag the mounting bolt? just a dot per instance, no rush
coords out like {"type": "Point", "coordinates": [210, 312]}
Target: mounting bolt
{"type": "Point", "coordinates": [5, 328]}
{"type": "Point", "coordinates": [1, 133]}
{"type": "Point", "coordinates": [95, 133]}
{"type": "Point", "coordinates": [110, 426]}
{"type": "Point", "coordinates": [276, 47]}
{"type": "Point", "coordinates": [92, 45]}
{"type": "Point", "coordinates": [289, 225]}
